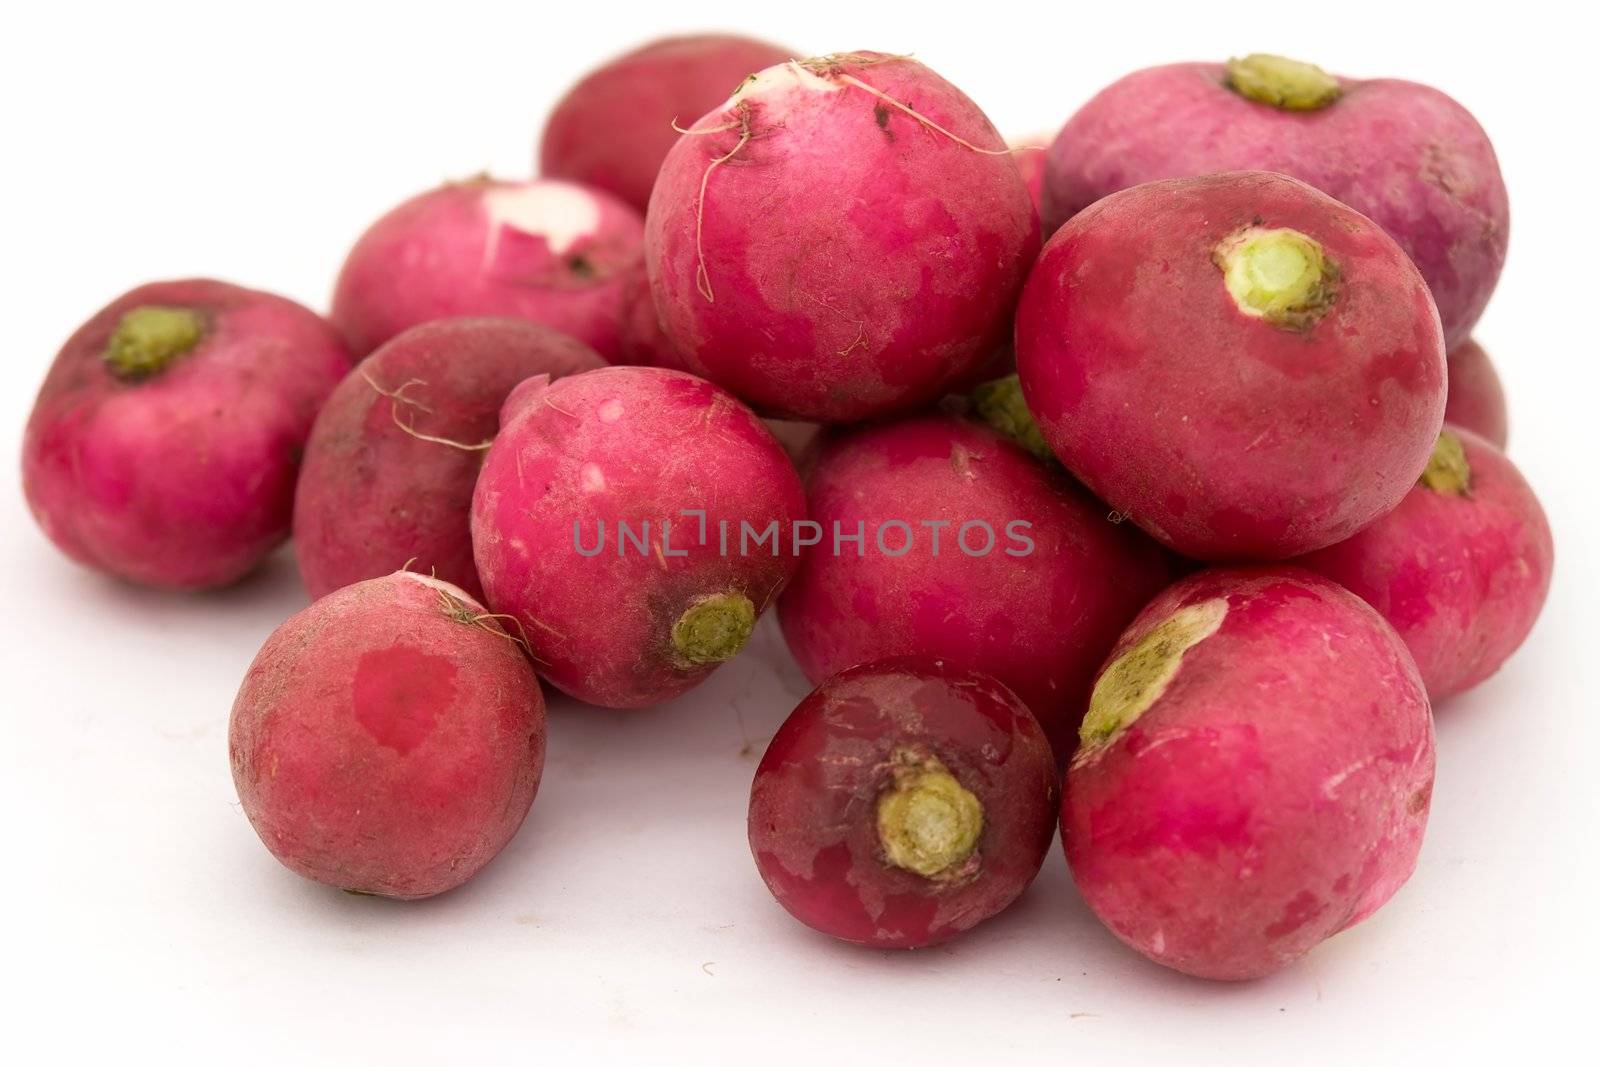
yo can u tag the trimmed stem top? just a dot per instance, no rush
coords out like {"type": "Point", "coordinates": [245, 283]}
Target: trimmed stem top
{"type": "Point", "coordinates": [714, 628]}
{"type": "Point", "coordinates": [1448, 471]}
{"type": "Point", "coordinates": [1135, 680]}
{"type": "Point", "coordinates": [928, 822]}
{"type": "Point", "coordinates": [1280, 275]}
{"type": "Point", "coordinates": [148, 339]}
{"type": "Point", "coordinates": [1282, 83]}
{"type": "Point", "coordinates": [1000, 404]}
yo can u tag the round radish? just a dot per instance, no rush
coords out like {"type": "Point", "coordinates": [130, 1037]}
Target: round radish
{"type": "Point", "coordinates": [635, 521]}
{"type": "Point", "coordinates": [1255, 772]}
{"type": "Point", "coordinates": [1238, 363]}
{"type": "Point", "coordinates": [164, 443]}
{"type": "Point", "coordinates": [389, 738]}
{"type": "Point", "coordinates": [845, 237]}
{"type": "Point", "coordinates": [902, 803]}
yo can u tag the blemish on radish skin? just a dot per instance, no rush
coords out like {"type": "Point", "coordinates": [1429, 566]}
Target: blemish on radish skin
{"type": "Point", "coordinates": [398, 694]}
{"type": "Point", "coordinates": [592, 478]}
{"type": "Point", "coordinates": [610, 410]}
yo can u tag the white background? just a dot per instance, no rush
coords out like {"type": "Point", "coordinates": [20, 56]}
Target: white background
{"type": "Point", "coordinates": [156, 140]}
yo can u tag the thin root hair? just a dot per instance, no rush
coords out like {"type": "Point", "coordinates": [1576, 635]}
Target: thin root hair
{"type": "Point", "coordinates": [702, 279]}
{"type": "Point", "coordinates": [851, 79]}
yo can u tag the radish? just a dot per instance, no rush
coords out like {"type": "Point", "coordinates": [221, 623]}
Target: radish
{"type": "Point", "coordinates": [902, 803]}
{"type": "Point", "coordinates": [635, 521]}
{"type": "Point", "coordinates": [165, 441]}
{"type": "Point", "coordinates": [1255, 772]}
{"type": "Point", "coordinates": [844, 238]}
{"type": "Point", "coordinates": [389, 738]}
{"type": "Point", "coordinates": [1241, 365]}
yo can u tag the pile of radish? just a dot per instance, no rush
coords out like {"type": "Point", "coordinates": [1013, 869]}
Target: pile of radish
{"type": "Point", "coordinates": [1169, 522]}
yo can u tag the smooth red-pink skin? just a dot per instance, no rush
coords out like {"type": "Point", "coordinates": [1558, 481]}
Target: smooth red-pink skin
{"type": "Point", "coordinates": [626, 444]}
{"type": "Point", "coordinates": [1040, 623]}
{"type": "Point", "coordinates": [1461, 578]}
{"type": "Point", "coordinates": [859, 262]}
{"type": "Point", "coordinates": [380, 745]}
{"type": "Point", "coordinates": [813, 806]}
{"type": "Point", "coordinates": [1225, 436]}
{"type": "Point", "coordinates": [184, 479]}
{"type": "Point", "coordinates": [438, 256]}
{"type": "Point", "coordinates": [1274, 794]}
{"type": "Point", "coordinates": [1476, 400]}
{"type": "Point", "coordinates": [1406, 156]}
{"type": "Point", "coordinates": [613, 128]}
{"type": "Point", "coordinates": [374, 498]}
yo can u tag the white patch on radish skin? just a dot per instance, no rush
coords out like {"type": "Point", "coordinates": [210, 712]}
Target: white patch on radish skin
{"type": "Point", "coordinates": [610, 410]}
{"type": "Point", "coordinates": [592, 478]}
{"type": "Point", "coordinates": [1158, 943]}
{"type": "Point", "coordinates": [783, 78]}
{"type": "Point", "coordinates": [439, 584]}
{"type": "Point", "coordinates": [560, 212]}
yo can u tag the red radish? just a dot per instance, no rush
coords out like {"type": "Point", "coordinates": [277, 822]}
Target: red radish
{"type": "Point", "coordinates": [902, 803]}
{"type": "Point", "coordinates": [1404, 155]}
{"type": "Point", "coordinates": [1254, 776]}
{"type": "Point", "coordinates": [1460, 569]}
{"type": "Point", "coordinates": [389, 738]}
{"type": "Point", "coordinates": [636, 521]}
{"type": "Point", "coordinates": [392, 459]}
{"type": "Point", "coordinates": [555, 253]}
{"type": "Point", "coordinates": [1238, 363]}
{"type": "Point", "coordinates": [844, 238]}
{"type": "Point", "coordinates": [1476, 400]}
{"type": "Point", "coordinates": [1029, 583]}
{"type": "Point", "coordinates": [612, 130]}
{"type": "Point", "coordinates": [164, 442]}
